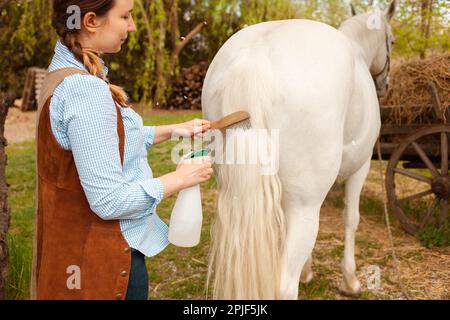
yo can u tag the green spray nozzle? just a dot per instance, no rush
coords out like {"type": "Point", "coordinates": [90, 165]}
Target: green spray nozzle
{"type": "Point", "coordinates": [199, 153]}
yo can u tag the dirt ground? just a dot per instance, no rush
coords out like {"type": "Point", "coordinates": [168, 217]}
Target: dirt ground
{"type": "Point", "coordinates": [19, 126]}
{"type": "Point", "coordinates": [425, 273]}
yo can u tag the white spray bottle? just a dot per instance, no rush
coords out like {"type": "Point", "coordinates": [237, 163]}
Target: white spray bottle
{"type": "Point", "coordinates": [186, 219]}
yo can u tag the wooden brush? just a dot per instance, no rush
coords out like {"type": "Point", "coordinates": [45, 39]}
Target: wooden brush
{"type": "Point", "coordinates": [233, 119]}
{"type": "Point", "coordinates": [237, 119]}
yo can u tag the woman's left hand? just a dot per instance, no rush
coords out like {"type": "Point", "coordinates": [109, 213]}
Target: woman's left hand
{"type": "Point", "coordinates": [195, 127]}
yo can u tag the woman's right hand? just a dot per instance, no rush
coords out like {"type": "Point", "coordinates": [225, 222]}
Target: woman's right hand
{"type": "Point", "coordinates": [194, 171]}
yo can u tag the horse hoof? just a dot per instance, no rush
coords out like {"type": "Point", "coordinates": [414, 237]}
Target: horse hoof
{"type": "Point", "coordinates": [306, 279]}
{"type": "Point", "coordinates": [350, 290]}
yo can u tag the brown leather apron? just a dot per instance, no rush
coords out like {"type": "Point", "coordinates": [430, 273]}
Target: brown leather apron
{"type": "Point", "coordinates": [76, 254]}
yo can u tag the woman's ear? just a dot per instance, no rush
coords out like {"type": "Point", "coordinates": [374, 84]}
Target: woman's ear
{"type": "Point", "coordinates": [90, 21]}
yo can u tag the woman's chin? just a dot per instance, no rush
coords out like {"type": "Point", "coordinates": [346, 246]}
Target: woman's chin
{"type": "Point", "coordinates": [115, 49]}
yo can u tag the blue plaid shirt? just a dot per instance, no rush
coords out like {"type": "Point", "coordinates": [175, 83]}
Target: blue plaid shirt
{"type": "Point", "coordinates": [83, 119]}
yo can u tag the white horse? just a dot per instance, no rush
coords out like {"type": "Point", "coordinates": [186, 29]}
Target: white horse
{"type": "Point", "coordinates": [315, 84]}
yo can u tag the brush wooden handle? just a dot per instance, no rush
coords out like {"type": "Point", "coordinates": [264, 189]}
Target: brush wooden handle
{"type": "Point", "coordinates": [230, 119]}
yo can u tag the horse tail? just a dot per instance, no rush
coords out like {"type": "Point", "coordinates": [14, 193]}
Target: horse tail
{"type": "Point", "coordinates": [249, 227]}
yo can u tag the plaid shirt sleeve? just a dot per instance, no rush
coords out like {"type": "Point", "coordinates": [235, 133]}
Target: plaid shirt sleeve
{"type": "Point", "coordinates": [90, 120]}
{"type": "Point", "coordinates": [149, 133]}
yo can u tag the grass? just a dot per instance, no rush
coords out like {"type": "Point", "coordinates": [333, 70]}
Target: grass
{"type": "Point", "coordinates": [432, 236]}
{"type": "Point", "coordinates": [20, 175]}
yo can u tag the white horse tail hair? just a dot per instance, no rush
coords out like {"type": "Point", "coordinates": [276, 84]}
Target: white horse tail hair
{"type": "Point", "coordinates": [249, 227]}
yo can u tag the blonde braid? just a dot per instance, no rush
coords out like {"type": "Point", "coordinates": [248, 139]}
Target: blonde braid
{"type": "Point", "coordinates": [92, 62]}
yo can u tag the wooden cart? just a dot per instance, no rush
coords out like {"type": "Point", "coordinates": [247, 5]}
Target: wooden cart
{"type": "Point", "coordinates": [420, 153]}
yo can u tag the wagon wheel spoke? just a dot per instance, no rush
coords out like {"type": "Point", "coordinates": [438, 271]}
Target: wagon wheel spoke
{"type": "Point", "coordinates": [413, 175]}
{"type": "Point", "coordinates": [425, 159]}
{"type": "Point", "coordinates": [444, 154]}
{"type": "Point", "coordinates": [430, 212]}
{"type": "Point", "coordinates": [415, 196]}
{"type": "Point", "coordinates": [444, 211]}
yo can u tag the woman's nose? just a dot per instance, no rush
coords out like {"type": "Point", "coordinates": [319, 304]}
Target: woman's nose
{"type": "Point", "coordinates": [132, 26]}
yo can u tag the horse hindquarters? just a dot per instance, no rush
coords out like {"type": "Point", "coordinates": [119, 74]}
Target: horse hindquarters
{"type": "Point", "coordinates": [248, 231]}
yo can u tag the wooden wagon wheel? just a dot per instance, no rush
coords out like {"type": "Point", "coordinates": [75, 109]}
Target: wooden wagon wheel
{"type": "Point", "coordinates": [436, 178]}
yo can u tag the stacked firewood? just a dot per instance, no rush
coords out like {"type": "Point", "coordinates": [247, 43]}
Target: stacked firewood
{"type": "Point", "coordinates": [187, 88]}
{"type": "Point", "coordinates": [32, 88]}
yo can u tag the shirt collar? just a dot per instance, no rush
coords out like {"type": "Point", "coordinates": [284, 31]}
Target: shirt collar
{"type": "Point", "coordinates": [64, 58]}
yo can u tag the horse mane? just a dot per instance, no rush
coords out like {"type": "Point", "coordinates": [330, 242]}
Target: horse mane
{"type": "Point", "coordinates": [357, 31]}
{"type": "Point", "coordinates": [355, 26]}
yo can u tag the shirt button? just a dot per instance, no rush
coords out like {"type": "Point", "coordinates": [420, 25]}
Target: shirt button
{"type": "Point", "coordinates": [127, 250]}
{"type": "Point", "coordinates": [124, 273]}
{"type": "Point", "coordinates": [118, 296]}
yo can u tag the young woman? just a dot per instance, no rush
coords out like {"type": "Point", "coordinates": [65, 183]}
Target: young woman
{"type": "Point", "coordinates": [96, 198]}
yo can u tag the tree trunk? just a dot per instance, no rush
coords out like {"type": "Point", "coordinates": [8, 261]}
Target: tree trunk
{"type": "Point", "coordinates": [176, 39]}
{"type": "Point", "coordinates": [425, 25]}
{"type": "Point", "coordinates": [3, 4]}
{"type": "Point", "coordinates": [161, 83]}
{"type": "Point", "coordinates": [171, 25]}
{"type": "Point", "coordinates": [5, 102]}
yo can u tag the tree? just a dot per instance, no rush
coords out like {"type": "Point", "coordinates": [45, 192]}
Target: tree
{"type": "Point", "coordinates": [425, 24]}
{"type": "Point", "coordinates": [25, 40]}
{"type": "Point", "coordinates": [172, 33]}
{"type": "Point", "coordinates": [3, 4]}
{"type": "Point", "coordinates": [5, 102]}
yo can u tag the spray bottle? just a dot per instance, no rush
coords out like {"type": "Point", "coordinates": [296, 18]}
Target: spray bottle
{"type": "Point", "coordinates": [186, 219]}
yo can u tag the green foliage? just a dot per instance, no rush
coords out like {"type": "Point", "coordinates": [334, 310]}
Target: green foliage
{"type": "Point", "coordinates": [139, 73]}
{"type": "Point", "coordinates": [412, 38]}
{"type": "Point", "coordinates": [20, 256]}
{"type": "Point", "coordinates": [434, 237]}
{"type": "Point", "coordinates": [144, 66]}
{"type": "Point", "coordinates": [256, 11]}
{"type": "Point", "coordinates": [24, 41]}
{"type": "Point", "coordinates": [20, 174]}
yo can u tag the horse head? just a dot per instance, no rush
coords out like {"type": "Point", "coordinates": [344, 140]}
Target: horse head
{"type": "Point", "coordinates": [378, 24]}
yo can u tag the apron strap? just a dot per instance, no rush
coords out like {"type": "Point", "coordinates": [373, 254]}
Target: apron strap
{"type": "Point", "coordinates": [52, 80]}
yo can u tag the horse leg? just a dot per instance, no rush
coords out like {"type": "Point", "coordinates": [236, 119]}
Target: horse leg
{"type": "Point", "coordinates": [307, 273]}
{"type": "Point", "coordinates": [353, 186]}
{"type": "Point", "coordinates": [302, 228]}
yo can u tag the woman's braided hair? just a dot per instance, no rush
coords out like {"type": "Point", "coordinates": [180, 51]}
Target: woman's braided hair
{"type": "Point", "coordinates": [88, 57]}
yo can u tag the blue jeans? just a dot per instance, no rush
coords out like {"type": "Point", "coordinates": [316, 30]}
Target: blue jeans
{"type": "Point", "coordinates": [138, 281]}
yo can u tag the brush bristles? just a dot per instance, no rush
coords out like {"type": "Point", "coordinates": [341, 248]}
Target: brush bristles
{"type": "Point", "coordinates": [245, 124]}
